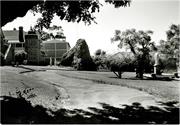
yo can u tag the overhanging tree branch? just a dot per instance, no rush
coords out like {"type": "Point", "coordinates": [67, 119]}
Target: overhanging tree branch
{"type": "Point", "coordinates": [71, 11]}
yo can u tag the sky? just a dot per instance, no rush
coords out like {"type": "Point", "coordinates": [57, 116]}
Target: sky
{"type": "Point", "coordinates": [155, 15]}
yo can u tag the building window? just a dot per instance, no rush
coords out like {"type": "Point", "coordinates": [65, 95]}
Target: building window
{"type": "Point", "coordinates": [60, 45]}
{"type": "Point", "coordinates": [19, 45]}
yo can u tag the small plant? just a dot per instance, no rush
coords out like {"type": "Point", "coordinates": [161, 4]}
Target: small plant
{"type": "Point", "coordinates": [25, 94]}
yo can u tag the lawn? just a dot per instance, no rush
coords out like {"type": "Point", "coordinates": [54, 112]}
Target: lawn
{"type": "Point", "coordinates": [84, 97]}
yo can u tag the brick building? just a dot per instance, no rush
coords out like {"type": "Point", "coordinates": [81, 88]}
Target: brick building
{"type": "Point", "coordinates": [18, 40]}
{"type": "Point", "coordinates": [15, 41]}
{"type": "Point", "coordinates": [54, 49]}
{"type": "Point", "coordinates": [32, 47]}
{"type": "Point", "coordinates": [38, 52]}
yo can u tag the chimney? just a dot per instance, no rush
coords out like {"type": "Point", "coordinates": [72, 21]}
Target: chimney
{"type": "Point", "coordinates": [21, 37]}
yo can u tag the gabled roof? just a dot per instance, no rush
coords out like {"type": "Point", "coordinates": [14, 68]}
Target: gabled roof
{"type": "Point", "coordinates": [122, 54]}
{"type": "Point", "coordinates": [12, 35]}
{"type": "Point", "coordinates": [55, 41]}
{"type": "Point", "coordinates": [1, 33]}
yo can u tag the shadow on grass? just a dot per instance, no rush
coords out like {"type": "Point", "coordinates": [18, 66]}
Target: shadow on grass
{"type": "Point", "coordinates": [147, 78]}
{"type": "Point", "coordinates": [160, 78]}
{"type": "Point", "coordinates": [18, 110]}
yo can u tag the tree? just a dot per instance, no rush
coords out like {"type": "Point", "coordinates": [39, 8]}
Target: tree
{"type": "Point", "coordinates": [98, 52]}
{"type": "Point", "coordinates": [139, 43]}
{"type": "Point", "coordinates": [100, 59]}
{"type": "Point", "coordinates": [71, 11]}
{"type": "Point", "coordinates": [20, 56]}
{"type": "Point", "coordinates": [47, 35]}
{"type": "Point", "coordinates": [170, 46]}
{"type": "Point", "coordinates": [120, 62]}
{"type": "Point", "coordinates": [79, 57]}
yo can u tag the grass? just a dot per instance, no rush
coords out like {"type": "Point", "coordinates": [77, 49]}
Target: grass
{"type": "Point", "coordinates": [167, 90]}
{"type": "Point", "coordinates": [19, 110]}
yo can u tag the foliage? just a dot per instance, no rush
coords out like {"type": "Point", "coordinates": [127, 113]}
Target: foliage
{"type": "Point", "coordinates": [124, 62]}
{"type": "Point", "coordinates": [139, 42]}
{"type": "Point", "coordinates": [71, 11]}
{"type": "Point", "coordinates": [136, 41]}
{"type": "Point", "coordinates": [79, 57]}
{"type": "Point", "coordinates": [117, 63]}
{"type": "Point", "coordinates": [173, 33]}
{"type": "Point", "coordinates": [119, 3]}
{"type": "Point", "coordinates": [20, 56]}
{"type": "Point", "coordinates": [44, 35]}
{"type": "Point", "coordinates": [100, 59]}
{"type": "Point", "coordinates": [120, 63]}
{"type": "Point", "coordinates": [47, 35]}
{"type": "Point", "coordinates": [98, 52]}
{"type": "Point", "coordinates": [171, 45]}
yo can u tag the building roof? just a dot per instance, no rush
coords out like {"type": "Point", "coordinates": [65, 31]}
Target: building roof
{"type": "Point", "coordinates": [3, 41]}
{"type": "Point", "coordinates": [122, 54]}
{"type": "Point", "coordinates": [56, 41]}
{"type": "Point", "coordinates": [1, 33]}
{"type": "Point", "coordinates": [12, 35]}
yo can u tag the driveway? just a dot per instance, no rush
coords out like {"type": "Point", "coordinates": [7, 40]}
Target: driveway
{"type": "Point", "coordinates": [72, 89]}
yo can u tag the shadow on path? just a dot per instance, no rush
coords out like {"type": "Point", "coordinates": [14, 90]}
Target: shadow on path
{"type": "Point", "coordinates": [28, 69]}
{"type": "Point", "coordinates": [165, 78]}
{"type": "Point", "coordinates": [18, 110]}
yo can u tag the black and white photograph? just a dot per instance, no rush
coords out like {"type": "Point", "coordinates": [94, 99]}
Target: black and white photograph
{"type": "Point", "coordinates": [90, 61]}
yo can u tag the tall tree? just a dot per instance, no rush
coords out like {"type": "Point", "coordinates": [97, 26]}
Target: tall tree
{"type": "Point", "coordinates": [171, 44]}
{"type": "Point", "coordinates": [139, 43]}
{"type": "Point", "coordinates": [72, 11]}
{"type": "Point", "coordinates": [58, 30]}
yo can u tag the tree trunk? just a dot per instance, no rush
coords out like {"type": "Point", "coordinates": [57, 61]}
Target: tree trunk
{"type": "Point", "coordinates": [119, 74]}
{"type": "Point", "coordinates": [139, 75]}
{"type": "Point", "coordinates": [140, 68]}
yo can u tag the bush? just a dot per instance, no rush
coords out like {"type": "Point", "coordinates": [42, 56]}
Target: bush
{"type": "Point", "coordinates": [20, 56]}
{"type": "Point", "coordinates": [121, 62]}
{"type": "Point", "coordinates": [79, 57]}
{"type": "Point", "coordinates": [100, 62]}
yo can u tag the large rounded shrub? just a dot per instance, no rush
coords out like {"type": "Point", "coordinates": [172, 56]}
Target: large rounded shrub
{"type": "Point", "coordinates": [20, 56]}
{"type": "Point", "coordinates": [79, 57]}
